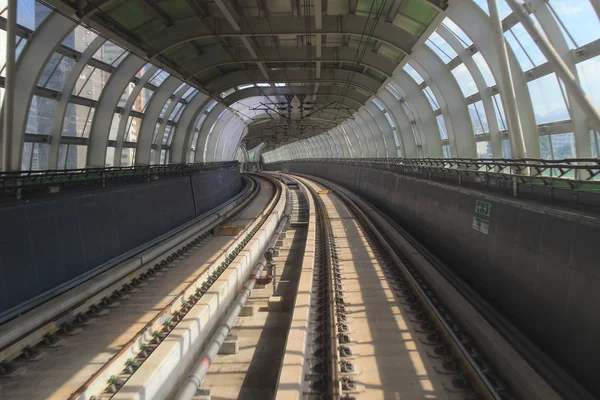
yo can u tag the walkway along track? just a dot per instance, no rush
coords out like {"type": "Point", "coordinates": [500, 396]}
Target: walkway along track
{"type": "Point", "coordinates": [119, 320]}
{"type": "Point", "coordinates": [387, 335]}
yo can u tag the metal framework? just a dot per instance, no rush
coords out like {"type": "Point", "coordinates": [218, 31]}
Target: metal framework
{"type": "Point", "coordinates": [314, 79]}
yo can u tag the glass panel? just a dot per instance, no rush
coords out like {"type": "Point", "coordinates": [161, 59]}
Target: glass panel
{"type": "Point", "coordinates": [56, 72]}
{"type": "Point", "coordinates": [525, 49]}
{"type": "Point", "coordinates": [159, 78]}
{"type": "Point", "coordinates": [465, 80]}
{"type": "Point", "coordinates": [431, 97]}
{"type": "Point", "coordinates": [379, 104]}
{"type": "Point", "coordinates": [41, 116]}
{"type": "Point", "coordinates": [499, 109]}
{"type": "Point", "coordinates": [545, 149]}
{"type": "Point", "coordinates": [394, 92]}
{"type": "Point", "coordinates": [442, 126]}
{"type": "Point", "coordinates": [191, 92]}
{"type": "Point", "coordinates": [506, 149]}
{"type": "Point", "coordinates": [484, 149]}
{"type": "Point", "coordinates": [579, 18]}
{"type": "Point", "coordinates": [595, 140]}
{"type": "Point", "coordinates": [390, 121]}
{"type": "Point", "coordinates": [110, 156]}
{"type": "Point", "coordinates": [110, 53]}
{"type": "Point", "coordinates": [133, 129]}
{"type": "Point", "coordinates": [114, 127]}
{"type": "Point", "coordinates": [547, 99]}
{"type": "Point", "coordinates": [30, 13]}
{"type": "Point", "coordinates": [441, 47]}
{"type": "Point", "coordinates": [590, 79]}
{"type": "Point", "coordinates": [164, 109]}
{"type": "Point", "coordinates": [79, 39]}
{"type": "Point", "coordinates": [78, 120]}
{"type": "Point", "coordinates": [455, 29]}
{"type": "Point", "coordinates": [165, 138]}
{"type": "Point", "coordinates": [563, 145]}
{"type": "Point", "coordinates": [142, 100]}
{"type": "Point", "coordinates": [127, 157]}
{"type": "Point", "coordinates": [39, 156]}
{"type": "Point", "coordinates": [90, 86]}
{"type": "Point", "coordinates": [446, 150]}
{"type": "Point", "coordinates": [26, 159]}
{"type": "Point", "coordinates": [485, 69]}
{"type": "Point", "coordinates": [413, 73]}
{"type": "Point", "coordinates": [178, 107]}
{"type": "Point", "coordinates": [72, 157]}
{"type": "Point", "coordinates": [503, 8]}
{"type": "Point", "coordinates": [125, 95]}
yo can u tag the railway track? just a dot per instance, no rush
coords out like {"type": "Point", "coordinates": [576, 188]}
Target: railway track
{"type": "Point", "coordinates": [89, 349]}
{"type": "Point", "coordinates": [383, 333]}
{"type": "Point", "coordinates": [348, 315]}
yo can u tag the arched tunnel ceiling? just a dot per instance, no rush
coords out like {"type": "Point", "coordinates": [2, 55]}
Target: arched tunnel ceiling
{"type": "Point", "coordinates": [312, 63]}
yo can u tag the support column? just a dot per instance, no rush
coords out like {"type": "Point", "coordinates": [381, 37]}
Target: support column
{"type": "Point", "coordinates": [557, 63]}
{"type": "Point", "coordinates": [9, 88]}
{"type": "Point", "coordinates": [515, 130]}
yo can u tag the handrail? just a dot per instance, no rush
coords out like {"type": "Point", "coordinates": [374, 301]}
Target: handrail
{"type": "Point", "coordinates": [512, 175]}
{"type": "Point", "coordinates": [17, 180]}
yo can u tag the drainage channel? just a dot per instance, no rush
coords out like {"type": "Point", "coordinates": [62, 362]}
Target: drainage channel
{"type": "Point", "coordinates": [115, 331]}
{"type": "Point", "coordinates": [378, 330]}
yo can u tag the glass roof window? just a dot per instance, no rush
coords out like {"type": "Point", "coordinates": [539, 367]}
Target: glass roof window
{"type": "Point", "coordinates": [159, 77]}
{"type": "Point", "coordinates": [263, 84]}
{"type": "Point", "coordinates": [413, 73]}
{"type": "Point", "coordinates": [441, 47]}
{"type": "Point", "coordinates": [110, 53]}
{"type": "Point", "coordinates": [456, 31]}
{"type": "Point", "coordinates": [394, 92]}
{"type": "Point", "coordinates": [442, 126]}
{"type": "Point", "coordinates": [478, 118]}
{"type": "Point", "coordinates": [191, 92]}
{"type": "Point", "coordinates": [503, 8]}
{"type": "Point", "coordinates": [227, 92]}
{"type": "Point", "coordinates": [379, 104]}
{"type": "Point", "coordinates": [431, 98]}
{"type": "Point", "coordinates": [280, 84]}
{"type": "Point", "coordinates": [242, 87]}
{"type": "Point", "coordinates": [525, 49]}
{"type": "Point", "coordinates": [79, 39]}
{"type": "Point", "coordinates": [578, 19]}
{"type": "Point", "coordinates": [499, 109]}
{"type": "Point", "coordinates": [164, 109]}
{"type": "Point", "coordinates": [465, 80]}
{"type": "Point", "coordinates": [590, 80]}
{"type": "Point", "coordinates": [485, 69]}
{"type": "Point", "coordinates": [548, 100]}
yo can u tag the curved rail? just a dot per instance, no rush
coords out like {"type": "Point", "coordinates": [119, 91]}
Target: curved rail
{"type": "Point", "coordinates": [116, 285]}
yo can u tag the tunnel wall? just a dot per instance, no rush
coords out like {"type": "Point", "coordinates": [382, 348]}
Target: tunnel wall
{"type": "Point", "coordinates": [49, 242]}
{"type": "Point", "coordinates": [537, 265]}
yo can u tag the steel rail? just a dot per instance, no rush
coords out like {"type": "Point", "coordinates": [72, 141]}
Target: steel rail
{"type": "Point", "coordinates": [483, 381]}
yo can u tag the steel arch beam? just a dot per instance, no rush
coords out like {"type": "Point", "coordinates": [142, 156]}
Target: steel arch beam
{"type": "Point", "coordinates": [155, 106]}
{"type": "Point", "coordinates": [189, 29]}
{"type": "Point", "coordinates": [420, 106]}
{"type": "Point", "coordinates": [63, 101]}
{"type": "Point", "coordinates": [208, 123]}
{"type": "Point", "coordinates": [185, 128]}
{"type": "Point", "coordinates": [403, 124]}
{"type": "Point", "coordinates": [328, 76]}
{"type": "Point", "coordinates": [29, 67]}
{"type": "Point", "coordinates": [105, 109]}
{"type": "Point", "coordinates": [127, 110]}
{"type": "Point", "coordinates": [476, 24]}
{"type": "Point", "coordinates": [482, 88]}
{"type": "Point", "coordinates": [220, 57]}
{"type": "Point", "coordinates": [352, 98]}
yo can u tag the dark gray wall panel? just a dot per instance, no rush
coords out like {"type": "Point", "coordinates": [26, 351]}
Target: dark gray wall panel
{"type": "Point", "coordinates": [47, 243]}
{"type": "Point", "coordinates": [537, 265]}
